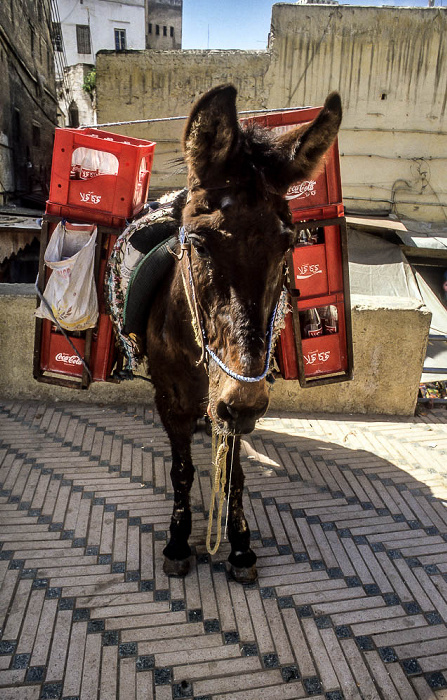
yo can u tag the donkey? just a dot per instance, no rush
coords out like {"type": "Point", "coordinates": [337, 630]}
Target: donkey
{"type": "Point", "coordinates": [209, 326]}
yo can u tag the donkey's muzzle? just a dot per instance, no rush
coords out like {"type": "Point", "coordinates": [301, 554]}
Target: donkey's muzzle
{"type": "Point", "coordinates": [240, 419]}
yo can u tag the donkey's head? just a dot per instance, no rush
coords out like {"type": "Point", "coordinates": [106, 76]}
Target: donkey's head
{"type": "Point", "coordinates": [239, 227]}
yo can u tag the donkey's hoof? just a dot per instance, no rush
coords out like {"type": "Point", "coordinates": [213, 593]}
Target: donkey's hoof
{"type": "Point", "coordinates": [244, 574]}
{"type": "Point", "coordinates": [176, 567]}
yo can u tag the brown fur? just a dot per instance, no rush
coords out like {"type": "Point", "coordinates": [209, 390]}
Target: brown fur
{"type": "Point", "coordinates": [240, 228]}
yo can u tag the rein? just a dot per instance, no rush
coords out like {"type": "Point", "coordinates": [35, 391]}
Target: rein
{"type": "Point", "coordinates": [199, 332]}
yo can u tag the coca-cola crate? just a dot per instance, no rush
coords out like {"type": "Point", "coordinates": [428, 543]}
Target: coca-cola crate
{"type": "Point", "coordinates": [329, 211]}
{"type": "Point", "coordinates": [319, 197]}
{"type": "Point", "coordinates": [317, 269]}
{"type": "Point", "coordinates": [54, 357]}
{"type": "Point", "coordinates": [323, 356]}
{"type": "Point", "coordinates": [99, 176]}
{"type": "Point", "coordinates": [58, 356]}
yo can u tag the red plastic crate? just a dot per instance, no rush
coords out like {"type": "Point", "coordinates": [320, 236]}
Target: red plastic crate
{"type": "Point", "coordinates": [322, 356]}
{"type": "Point", "coordinates": [56, 354]}
{"type": "Point", "coordinates": [107, 199]}
{"type": "Point", "coordinates": [59, 357]}
{"type": "Point", "coordinates": [317, 269]}
{"type": "Point", "coordinates": [320, 197]}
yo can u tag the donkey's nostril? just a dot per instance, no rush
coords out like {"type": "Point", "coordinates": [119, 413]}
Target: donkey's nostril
{"type": "Point", "coordinates": [226, 412]}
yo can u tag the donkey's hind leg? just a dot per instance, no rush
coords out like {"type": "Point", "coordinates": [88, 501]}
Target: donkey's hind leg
{"type": "Point", "coordinates": [242, 559]}
{"type": "Point", "coordinates": [178, 551]}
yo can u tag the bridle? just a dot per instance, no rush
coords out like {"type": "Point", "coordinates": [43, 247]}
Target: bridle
{"type": "Point", "coordinates": [199, 331]}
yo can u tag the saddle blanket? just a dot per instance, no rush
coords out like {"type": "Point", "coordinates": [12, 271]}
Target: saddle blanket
{"type": "Point", "coordinates": [139, 260]}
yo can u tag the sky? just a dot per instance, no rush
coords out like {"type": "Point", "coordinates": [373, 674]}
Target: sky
{"type": "Point", "coordinates": [245, 24]}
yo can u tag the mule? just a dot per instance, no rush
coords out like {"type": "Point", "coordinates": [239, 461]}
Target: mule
{"type": "Point", "coordinates": [209, 327]}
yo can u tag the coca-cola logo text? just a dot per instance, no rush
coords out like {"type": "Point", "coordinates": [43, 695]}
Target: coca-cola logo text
{"type": "Point", "coordinates": [68, 359]}
{"type": "Point", "coordinates": [90, 197]}
{"type": "Point", "coordinates": [317, 356]}
{"type": "Point", "coordinates": [306, 271]}
{"type": "Point", "coordinates": [303, 189]}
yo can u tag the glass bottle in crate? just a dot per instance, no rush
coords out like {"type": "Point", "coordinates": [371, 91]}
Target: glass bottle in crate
{"type": "Point", "coordinates": [88, 162]}
{"type": "Point", "coordinates": [307, 236]}
{"type": "Point", "coordinates": [311, 326]}
{"type": "Point", "coordinates": [329, 319]}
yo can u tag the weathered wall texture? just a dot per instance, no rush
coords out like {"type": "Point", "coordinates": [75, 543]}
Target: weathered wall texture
{"type": "Point", "coordinates": [81, 100]}
{"type": "Point", "coordinates": [154, 84]}
{"type": "Point", "coordinates": [28, 104]}
{"type": "Point", "coordinates": [388, 63]}
{"type": "Point", "coordinates": [164, 24]}
{"type": "Point", "coordinates": [389, 347]}
{"type": "Point", "coordinates": [389, 66]}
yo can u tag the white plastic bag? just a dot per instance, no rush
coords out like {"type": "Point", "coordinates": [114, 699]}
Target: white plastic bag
{"type": "Point", "coordinates": [71, 291]}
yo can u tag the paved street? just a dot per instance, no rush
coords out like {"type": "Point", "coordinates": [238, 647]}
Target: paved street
{"type": "Point", "coordinates": [348, 522]}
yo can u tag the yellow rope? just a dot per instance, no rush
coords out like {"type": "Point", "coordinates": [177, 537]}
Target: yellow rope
{"type": "Point", "coordinates": [219, 453]}
{"type": "Point", "coordinates": [195, 325]}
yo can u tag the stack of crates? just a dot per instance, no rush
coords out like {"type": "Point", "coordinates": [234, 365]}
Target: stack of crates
{"type": "Point", "coordinates": [97, 178]}
{"type": "Point", "coordinates": [318, 270]}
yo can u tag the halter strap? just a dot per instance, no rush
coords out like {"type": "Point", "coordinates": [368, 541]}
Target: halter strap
{"type": "Point", "coordinates": [198, 325]}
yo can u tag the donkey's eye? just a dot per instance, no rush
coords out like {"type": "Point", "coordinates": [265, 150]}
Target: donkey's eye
{"type": "Point", "coordinates": [199, 247]}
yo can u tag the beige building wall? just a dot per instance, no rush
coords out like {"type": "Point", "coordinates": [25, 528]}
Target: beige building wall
{"type": "Point", "coordinates": [154, 84]}
{"type": "Point", "coordinates": [388, 64]}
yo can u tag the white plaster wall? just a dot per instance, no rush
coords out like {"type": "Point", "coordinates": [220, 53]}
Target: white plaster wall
{"type": "Point", "coordinates": [103, 16]}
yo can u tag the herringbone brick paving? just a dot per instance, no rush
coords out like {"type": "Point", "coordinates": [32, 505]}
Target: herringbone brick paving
{"type": "Point", "coordinates": [349, 522]}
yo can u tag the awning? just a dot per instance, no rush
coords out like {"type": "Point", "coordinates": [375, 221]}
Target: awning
{"type": "Point", "coordinates": [379, 268]}
{"type": "Point", "coordinates": [436, 357]}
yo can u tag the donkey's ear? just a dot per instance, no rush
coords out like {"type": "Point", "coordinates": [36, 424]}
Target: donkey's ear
{"type": "Point", "coordinates": [302, 149]}
{"type": "Point", "coordinates": [211, 133]}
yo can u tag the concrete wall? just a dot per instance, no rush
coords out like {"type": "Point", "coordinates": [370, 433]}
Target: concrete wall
{"type": "Point", "coordinates": [388, 64]}
{"type": "Point", "coordinates": [153, 84]}
{"type": "Point", "coordinates": [389, 347]}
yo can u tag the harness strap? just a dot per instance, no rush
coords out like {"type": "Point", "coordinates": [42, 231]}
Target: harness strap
{"type": "Point", "coordinates": [199, 332]}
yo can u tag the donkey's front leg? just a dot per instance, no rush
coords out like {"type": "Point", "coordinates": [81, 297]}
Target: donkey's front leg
{"type": "Point", "coordinates": [178, 551]}
{"type": "Point", "coordinates": [242, 558]}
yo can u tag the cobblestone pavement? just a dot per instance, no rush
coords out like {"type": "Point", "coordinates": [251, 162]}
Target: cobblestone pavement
{"type": "Point", "coordinates": [348, 522]}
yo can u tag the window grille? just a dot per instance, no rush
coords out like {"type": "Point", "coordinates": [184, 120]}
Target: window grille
{"type": "Point", "coordinates": [56, 36]}
{"type": "Point", "coordinates": [83, 38]}
{"type": "Point", "coordinates": [120, 39]}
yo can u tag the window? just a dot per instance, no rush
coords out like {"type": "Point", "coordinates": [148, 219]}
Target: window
{"type": "Point", "coordinates": [150, 28]}
{"type": "Point", "coordinates": [73, 115]}
{"type": "Point", "coordinates": [171, 31]}
{"type": "Point", "coordinates": [165, 31]}
{"type": "Point", "coordinates": [56, 36]}
{"type": "Point", "coordinates": [83, 38]}
{"type": "Point", "coordinates": [36, 135]}
{"type": "Point", "coordinates": [157, 29]}
{"type": "Point", "coordinates": [120, 39]}
{"type": "Point", "coordinates": [16, 126]}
